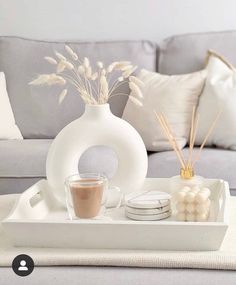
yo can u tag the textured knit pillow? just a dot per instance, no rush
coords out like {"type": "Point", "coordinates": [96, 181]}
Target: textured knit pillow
{"type": "Point", "coordinates": [219, 94]}
{"type": "Point", "coordinates": [8, 127]}
{"type": "Point", "coordinates": [175, 97]}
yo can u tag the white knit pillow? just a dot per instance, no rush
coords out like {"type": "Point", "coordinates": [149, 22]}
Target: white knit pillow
{"type": "Point", "coordinates": [219, 94]}
{"type": "Point", "coordinates": [8, 127]}
{"type": "Point", "coordinates": [175, 97]}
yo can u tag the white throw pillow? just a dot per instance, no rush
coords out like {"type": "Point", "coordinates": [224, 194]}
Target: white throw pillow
{"type": "Point", "coordinates": [219, 94]}
{"type": "Point", "coordinates": [8, 127]}
{"type": "Point", "coordinates": [175, 97]}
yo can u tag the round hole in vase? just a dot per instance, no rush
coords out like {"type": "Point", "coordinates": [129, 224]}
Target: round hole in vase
{"type": "Point", "coordinates": [99, 159]}
{"type": "Point", "coordinates": [97, 126]}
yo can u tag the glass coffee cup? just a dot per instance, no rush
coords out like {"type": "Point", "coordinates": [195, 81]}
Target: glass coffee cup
{"type": "Point", "coordinates": [89, 195]}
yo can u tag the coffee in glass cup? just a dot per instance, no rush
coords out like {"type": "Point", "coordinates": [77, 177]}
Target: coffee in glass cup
{"type": "Point", "coordinates": [86, 195]}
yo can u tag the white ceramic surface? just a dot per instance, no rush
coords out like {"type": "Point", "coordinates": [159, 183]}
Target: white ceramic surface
{"type": "Point", "coordinates": [97, 126]}
{"type": "Point", "coordinates": [37, 212]}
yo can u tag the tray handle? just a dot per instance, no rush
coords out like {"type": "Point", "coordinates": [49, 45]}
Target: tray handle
{"type": "Point", "coordinates": [223, 202]}
{"type": "Point", "coordinates": [31, 203]}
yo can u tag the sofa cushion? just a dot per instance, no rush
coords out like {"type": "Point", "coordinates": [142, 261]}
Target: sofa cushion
{"type": "Point", "coordinates": [26, 158]}
{"type": "Point", "coordinates": [218, 96]}
{"type": "Point", "coordinates": [213, 163]}
{"type": "Point", "coordinates": [16, 185]}
{"type": "Point", "coordinates": [187, 53]}
{"type": "Point", "coordinates": [174, 96]}
{"type": "Point", "coordinates": [36, 109]}
{"type": "Point", "coordinates": [8, 127]}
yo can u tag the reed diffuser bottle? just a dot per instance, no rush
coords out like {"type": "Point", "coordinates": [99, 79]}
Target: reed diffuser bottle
{"type": "Point", "coordinates": [190, 199]}
{"type": "Point", "coordinates": [187, 176]}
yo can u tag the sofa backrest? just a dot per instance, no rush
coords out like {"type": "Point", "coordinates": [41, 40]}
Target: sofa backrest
{"type": "Point", "coordinates": [37, 111]}
{"type": "Point", "coordinates": [187, 53]}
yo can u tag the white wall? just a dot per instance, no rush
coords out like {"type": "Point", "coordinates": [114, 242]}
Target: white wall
{"type": "Point", "coordinates": [114, 19]}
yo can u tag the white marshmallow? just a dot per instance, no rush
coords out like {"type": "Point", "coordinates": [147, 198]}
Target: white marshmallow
{"type": "Point", "coordinates": [201, 217]}
{"type": "Point", "coordinates": [190, 197]}
{"type": "Point", "coordinates": [180, 196]}
{"type": "Point", "coordinates": [190, 208]}
{"type": "Point", "coordinates": [181, 217]}
{"type": "Point", "coordinates": [190, 217]}
{"type": "Point", "coordinates": [180, 207]}
{"type": "Point", "coordinates": [201, 197]}
{"type": "Point", "coordinates": [203, 207]}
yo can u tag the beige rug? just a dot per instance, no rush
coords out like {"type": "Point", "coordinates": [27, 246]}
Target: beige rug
{"type": "Point", "coordinates": [224, 259]}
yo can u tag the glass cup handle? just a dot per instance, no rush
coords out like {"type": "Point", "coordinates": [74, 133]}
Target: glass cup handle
{"type": "Point", "coordinates": [117, 202]}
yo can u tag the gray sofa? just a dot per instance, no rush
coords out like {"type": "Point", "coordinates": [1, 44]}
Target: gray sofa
{"type": "Point", "coordinates": [40, 117]}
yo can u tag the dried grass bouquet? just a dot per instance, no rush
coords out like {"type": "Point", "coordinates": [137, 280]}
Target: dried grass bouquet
{"type": "Point", "coordinates": [94, 86]}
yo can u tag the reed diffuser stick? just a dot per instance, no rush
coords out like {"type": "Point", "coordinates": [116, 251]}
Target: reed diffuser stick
{"type": "Point", "coordinates": [166, 130]}
{"type": "Point", "coordinates": [187, 171]}
{"type": "Point", "coordinates": [191, 143]}
{"type": "Point", "coordinates": [207, 136]}
{"type": "Point", "coordinates": [173, 139]}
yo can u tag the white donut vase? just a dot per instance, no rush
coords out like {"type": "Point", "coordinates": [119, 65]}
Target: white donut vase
{"type": "Point", "coordinates": [97, 126]}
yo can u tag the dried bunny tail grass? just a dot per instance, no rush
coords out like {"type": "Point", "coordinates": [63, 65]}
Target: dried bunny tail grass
{"type": "Point", "coordinates": [50, 60]}
{"type": "Point", "coordinates": [86, 97]}
{"type": "Point", "coordinates": [56, 79]}
{"type": "Point", "coordinates": [61, 67]}
{"type": "Point", "coordinates": [94, 76]}
{"type": "Point", "coordinates": [127, 73]}
{"type": "Point", "coordinates": [88, 72]}
{"type": "Point", "coordinates": [126, 67]}
{"type": "Point", "coordinates": [68, 65]}
{"type": "Point", "coordinates": [86, 62]}
{"type": "Point", "coordinates": [60, 56]}
{"type": "Point", "coordinates": [81, 70]}
{"type": "Point", "coordinates": [40, 80]}
{"type": "Point", "coordinates": [122, 64]}
{"type": "Point", "coordinates": [100, 64]}
{"type": "Point", "coordinates": [64, 64]}
{"type": "Point", "coordinates": [103, 72]}
{"type": "Point", "coordinates": [62, 95]}
{"type": "Point", "coordinates": [136, 90]}
{"type": "Point", "coordinates": [48, 79]}
{"type": "Point", "coordinates": [82, 77]}
{"type": "Point", "coordinates": [135, 101]}
{"type": "Point", "coordinates": [70, 51]}
{"type": "Point", "coordinates": [104, 88]}
{"type": "Point", "coordinates": [137, 81]}
{"type": "Point", "coordinates": [111, 67]}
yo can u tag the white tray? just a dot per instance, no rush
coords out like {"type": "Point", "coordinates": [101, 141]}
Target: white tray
{"type": "Point", "coordinates": [38, 221]}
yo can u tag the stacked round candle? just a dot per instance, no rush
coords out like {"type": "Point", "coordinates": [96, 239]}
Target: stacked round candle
{"type": "Point", "coordinates": [192, 204]}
